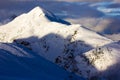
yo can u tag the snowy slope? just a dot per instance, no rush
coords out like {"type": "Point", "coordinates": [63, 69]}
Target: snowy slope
{"type": "Point", "coordinates": [56, 42]}
{"type": "Point", "coordinates": [17, 64]}
{"type": "Point", "coordinates": [101, 62]}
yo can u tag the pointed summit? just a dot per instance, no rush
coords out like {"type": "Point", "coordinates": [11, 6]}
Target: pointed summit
{"type": "Point", "coordinates": [45, 15]}
{"type": "Point", "coordinates": [36, 10]}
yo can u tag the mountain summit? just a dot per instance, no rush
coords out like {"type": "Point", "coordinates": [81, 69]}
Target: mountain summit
{"type": "Point", "coordinates": [39, 14]}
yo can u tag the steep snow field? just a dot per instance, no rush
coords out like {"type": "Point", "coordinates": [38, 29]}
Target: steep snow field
{"type": "Point", "coordinates": [69, 46]}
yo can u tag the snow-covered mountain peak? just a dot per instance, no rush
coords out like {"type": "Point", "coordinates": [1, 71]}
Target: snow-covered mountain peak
{"type": "Point", "coordinates": [42, 15]}
{"type": "Point", "coordinates": [37, 10]}
{"type": "Point", "coordinates": [48, 36]}
{"type": "Point", "coordinates": [39, 14]}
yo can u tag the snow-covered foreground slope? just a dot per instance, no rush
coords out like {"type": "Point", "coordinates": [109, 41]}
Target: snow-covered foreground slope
{"type": "Point", "coordinates": [17, 64]}
{"type": "Point", "coordinates": [53, 39]}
